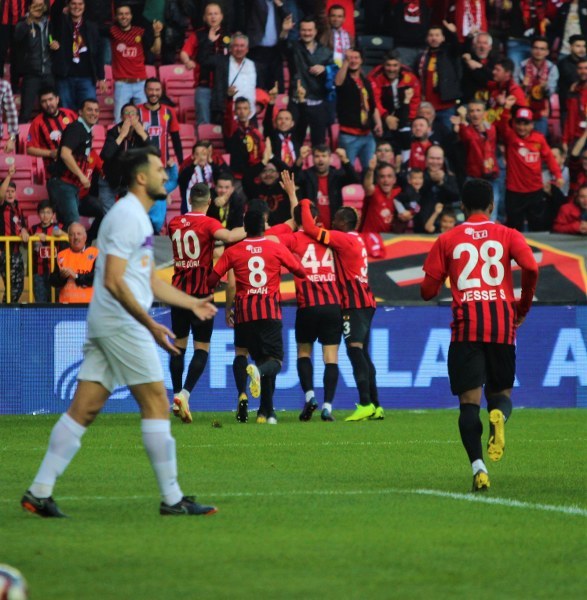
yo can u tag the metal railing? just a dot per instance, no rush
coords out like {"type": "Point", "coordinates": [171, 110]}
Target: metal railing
{"type": "Point", "coordinates": [6, 240]}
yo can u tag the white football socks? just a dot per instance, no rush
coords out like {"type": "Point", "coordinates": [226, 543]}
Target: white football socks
{"type": "Point", "coordinates": [309, 395]}
{"type": "Point", "coordinates": [160, 447]}
{"type": "Point", "coordinates": [327, 406]}
{"type": "Point", "coordinates": [64, 443]}
{"type": "Point", "coordinates": [478, 465]}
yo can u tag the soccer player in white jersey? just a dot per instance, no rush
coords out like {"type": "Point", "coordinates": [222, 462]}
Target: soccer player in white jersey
{"type": "Point", "coordinates": [120, 347]}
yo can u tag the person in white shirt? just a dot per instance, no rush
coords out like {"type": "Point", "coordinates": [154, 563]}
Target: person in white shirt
{"type": "Point", "coordinates": [120, 347]}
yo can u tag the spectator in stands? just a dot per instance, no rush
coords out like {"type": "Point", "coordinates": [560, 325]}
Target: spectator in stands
{"type": "Point", "coordinates": [410, 199]}
{"type": "Point", "coordinates": [46, 128]}
{"type": "Point", "coordinates": [282, 135]}
{"type": "Point", "coordinates": [73, 169]}
{"type": "Point", "coordinates": [131, 45]}
{"type": "Point", "coordinates": [572, 216]}
{"type": "Point", "coordinates": [499, 23]}
{"type": "Point", "coordinates": [203, 76]}
{"type": "Point", "coordinates": [525, 150]}
{"type": "Point", "coordinates": [578, 163]}
{"type": "Point", "coordinates": [379, 208]}
{"type": "Point", "coordinates": [410, 22]}
{"type": "Point", "coordinates": [173, 15]}
{"type": "Point", "coordinates": [335, 36]}
{"type": "Point", "coordinates": [358, 115]}
{"type": "Point", "coordinates": [479, 140]}
{"type": "Point", "coordinates": [576, 109]}
{"type": "Point", "coordinates": [77, 61]}
{"type": "Point", "coordinates": [569, 20]}
{"type": "Point", "coordinates": [539, 79]}
{"type": "Point", "coordinates": [438, 134]}
{"type": "Point", "coordinates": [415, 143]}
{"type": "Point", "coordinates": [242, 141]}
{"type": "Point", "coordinates": [439, 186]}
{"type": "Point", "coordinates": [323, 184]}
{"type": "Point", "coordinates": [567, 70]}
{"type": "Point", "coordinates": [262, 182]}
{"type": "Point", "coordinates": [397, 93]}
{"type": "Point", "coordinates": [158, 212]}
{"type": "Point", "coordinates": [200, 169]}
{"type": "Point", "coordinates": [440, 71]}
{"type": "Point", "coordinates": [129, 133]}
{"type": "Point", "coordinates": [12, 223]}
{"type": "Point", "coordinates": [8, 107]}
{"type": "Point", "coordinates": [31, 43]}
{"type": "Point", "coordinates": [308, 61]}
{"type": "Point", "coordinates": [228, 206]}
{"type": "Point", "coordinates": [73, 275]}
{"type": "Point", "coordinates": [469, 16]}
{"type": "Point", "coordinates": [234, 72]}
{"type": "Point", "coordinates": [478, 65]}
{"type": "Point", "coordinates": [11, 11]}
{"type": "Point", "coordinates": [264, 19]}
{"type": "Point", "coordinates": [503, 86]}
{"type": "Point", "coordinates": [561, 160]}
{"type": "Point", "coordinates": [384, 153]}
{"type": "Point", "coordinates": [42, 250]}
{"type": "Point", "coordinates": [160, 121]}
{"type": "Point", "coordinates": [528, 18]}
{"type": "Point", "coordinates": [441, 220]}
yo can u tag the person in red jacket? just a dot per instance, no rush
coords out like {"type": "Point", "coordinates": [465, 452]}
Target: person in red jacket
{"type": "Point", "coordinates": [525, 150]}
{"type": "Point", "coordinates": [576, 122]}
{"type": "Point", "coordinates": [572, 216]}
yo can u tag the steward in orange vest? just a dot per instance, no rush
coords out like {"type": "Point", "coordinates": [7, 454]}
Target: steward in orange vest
{"type": "Point", "coordinates": [74, 272]}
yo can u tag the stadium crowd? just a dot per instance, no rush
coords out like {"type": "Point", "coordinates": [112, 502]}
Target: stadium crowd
{"type": "Point", "coordinates": [387, 106]}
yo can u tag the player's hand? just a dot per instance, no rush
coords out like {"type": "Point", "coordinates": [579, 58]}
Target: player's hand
{"type": "Point", "coordinates": [268, 152]}
{"type": "Point", "coordinates": [288, 183]}
{"type": "Point", "coordinates": [438, 207]}
{"type": "Point", "coordinates": [229, 318]}
{"type": "Point", "coordinates": [372, 163]}
{"type": "Point", "coordinates": [305, 151]}
{"type": "Point", "coordinates": [125, 127]}
{"type": "Point", "coordinates": [54, 45]}
{"type": "Point", "coordinates": [232, 91]}
{"type": "Point", "coordinates": [163, 337]}
{"type": "Point", "coordinates": [450, 26]}
{"type": "Point", "coordinates": [288, 24]}
{"type": "Point", "coordinates": [391, 122]}
{"type": "Point", "coordinates": [341, 153]}
{"type": "Point", "coordinates": [11, 171]}
{"type": "Point", "coordinates": [203, 308]}
{"type": "Point", "coordinates": [408, 95]}
{"type": "Point", "coordinates": [138, 126]}
{"type": "Point", "coordinates": [273, 92]}
{"type": "Point", "coordinates": [86, 183]}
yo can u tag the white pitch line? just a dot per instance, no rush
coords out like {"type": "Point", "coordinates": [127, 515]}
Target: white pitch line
{"type": "Point", "coordinates": [475, 498]}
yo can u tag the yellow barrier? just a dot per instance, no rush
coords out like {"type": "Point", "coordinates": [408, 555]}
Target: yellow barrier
{"type": "Point", "coordinates": [7, 239]}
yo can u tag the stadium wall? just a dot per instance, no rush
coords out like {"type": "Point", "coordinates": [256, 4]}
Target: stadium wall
{"type": "Point", "coordinates": [40, 350]}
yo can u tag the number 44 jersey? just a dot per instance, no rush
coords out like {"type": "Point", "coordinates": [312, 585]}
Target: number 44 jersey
{"type": "Point", "coordinates": [477, 256]}
{"type": "Point", "coordinates": [257, 264]}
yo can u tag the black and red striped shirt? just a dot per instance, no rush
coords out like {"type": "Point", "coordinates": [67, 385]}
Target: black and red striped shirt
{"type": "Point", "coordinates": [192, 237]}
{"type": "Point", "coordinates": [257, 266]}
{"type": "Point", "coordinates": [350, 258]}
{"type": "Point", "coordinates": [320, 286]}
{"type": "Point", "coordinates": [477, 257]}
{"type": "Point", "coordinates": [158, 125]}
{"type": "Point", "coordinates": [42, 250]}
{"type": "Point", "coordinates": [11, 11]}
{"type": "Point", "coordinates": [11, 223]}
{"type": "Point", "coordinates": [46, 131]}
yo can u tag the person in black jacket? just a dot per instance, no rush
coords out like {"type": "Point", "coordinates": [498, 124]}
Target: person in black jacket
{"type": "Point", "coordinates": [440, 71]}
{"type": "Point", "coordinates": [478, 67]}
{"type": "Point", "coordinates": [264, 19]}
{"type": "Point", "coordinates": [323, 183]}
{"type": "Point", "coordinates": [308, 63]}
{"type": "Point", "coordinates": [567, 70]}
{"type": "Point", "coordinates": [77, 61]}
{"type": "Point", "coordinates": [409, 21]}
{"type": "Point", "coordinates": [228, 206]}
{"type": "Point", "coordinates": [126, 135]}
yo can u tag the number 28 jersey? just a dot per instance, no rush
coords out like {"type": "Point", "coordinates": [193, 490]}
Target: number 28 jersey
{"type": "Point", "coordinates": [257, 266]}
{"type": "Point", "coordinates": [477, 256]}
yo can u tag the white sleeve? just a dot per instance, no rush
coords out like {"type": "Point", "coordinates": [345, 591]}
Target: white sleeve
{"type": "Point", "coordinates": [122, 236]}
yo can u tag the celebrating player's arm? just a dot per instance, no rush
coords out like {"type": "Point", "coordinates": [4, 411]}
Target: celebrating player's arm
{"type": "Point", "coordinates": [115, 283]}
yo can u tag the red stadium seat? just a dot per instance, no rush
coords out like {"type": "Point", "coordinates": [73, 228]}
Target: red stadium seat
{"type": "Point", "coordinates": [212, 133]}
{"type": "Point", "coordinates": [353, 195]}
{"type": "Point", "coordinates": [281, 102]}
{"type": "Point", "coordinates": [23, 134]}
{"type": "Point", "coordinates": [188, 138]}
{"type": "Point", "coordinates": [106, 110]}
{"type": "Point", "coordinates": [186, 110]}
{"type": "Point", "coordinates": [333, 133]}
{"type": "Point", "coordinates": [98, 137]}
{"type": "Point", "coordinates": [177, 81]}
{"type": "Point", "coordinates": [32, 194]}
{"type": "Point", "coordinates": [26, 167]}
{"type": "Point", "coordinates": [151, 71]}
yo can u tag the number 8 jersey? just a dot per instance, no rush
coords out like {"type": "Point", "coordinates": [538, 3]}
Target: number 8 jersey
{"type": "Point", "coordinates": [476, 256]}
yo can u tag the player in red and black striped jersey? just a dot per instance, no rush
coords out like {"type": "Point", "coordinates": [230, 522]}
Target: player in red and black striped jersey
{"type": "Point", "coordinates": [193, 236]}
{"type": "Point", "coordinates": [319, 315]}
{"type": "Point", "coordinates": [357, 301]}
{"type": "Point", "coordinates": [47, 127]}
{"type": "Point", "coordinates": [477, 256]}
{"type": "Point", "coordinates": [160, 121]}
{"type": "Point", "coordinates": [257, 263]}
{"type": "Point", "coordinates": [42, 250]}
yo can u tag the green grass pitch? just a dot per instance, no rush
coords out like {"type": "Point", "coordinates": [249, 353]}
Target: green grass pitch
{"type": "Point", "coordinates": [306, 510]}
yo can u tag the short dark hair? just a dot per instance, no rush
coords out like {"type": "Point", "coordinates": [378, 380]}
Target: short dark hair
{"type": "Point", "coordinates": [540, 38]}
{"type": "Point", "coordinates": [124, 4]}
{"type": "Point", "coordinates": [423, 118]}
{"type": "Point", "coordinates": [336, 7]}
{"type": "Point", "coordinates": [349, 216]}
{"type": "Point", "coordinates": [416, 171]}
{"type": "Point", "coordinates": [135, 161]}
{"type": "Point", "coordinates": [392, 55]}
{"type": "Point", "coordinates": [383, 165]}
{"type": "Point", "coordinates": [310, 19]}
{"type": "Point", "coordinates": [43, 204]}
{"type": "Point", "coordinates": [259, 205]}
{"type": "Point", "coordinates": [152, 80]}
{"type": "Point", "coordinates": [225, 176]}
{"type": "Point", "coordinates": [126, 106]}
{"type": "Point", "coordinates": [88, 101]}
{"type": "Point", "coordinates": [477, 194]}
{"type": "Point", "coordinates": [448, 212]}
{"type": "Point", "coordinates": [241, 100]}
{"type": "Point", "coordinates": [201, 144]}
{"type": "Point", "coordinates": [383, 142]}
{"type": "Point", "coordinates": [48, 89]}
{"type": "Point", "coordinates": [507, 64]}
{"type": "Point", "coordinates": [199, 194]}
{"type": "Point", "coordinates": [254, 221]}
{"type": "Point", "coordinates": [321, 148]}
{"type": "Point", "coordinates": [577, 38]}
{"type": "Point", "coordinates": [297, 213]}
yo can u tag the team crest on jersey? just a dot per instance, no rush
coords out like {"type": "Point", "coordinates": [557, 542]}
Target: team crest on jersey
{"type": "Point", "coordinates": [65, 121]}
{"type": "Point", "coordinates": [138, 39]}
{"type": "Point", "coordinates": [166, 117]}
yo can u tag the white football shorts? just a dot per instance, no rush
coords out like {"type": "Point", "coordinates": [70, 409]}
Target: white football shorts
{"type": "Point", "coordinates": [129, 357]}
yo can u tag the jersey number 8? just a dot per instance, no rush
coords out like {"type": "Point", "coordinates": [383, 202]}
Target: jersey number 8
{"type": "Point", "coordinates": [257, 275]}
